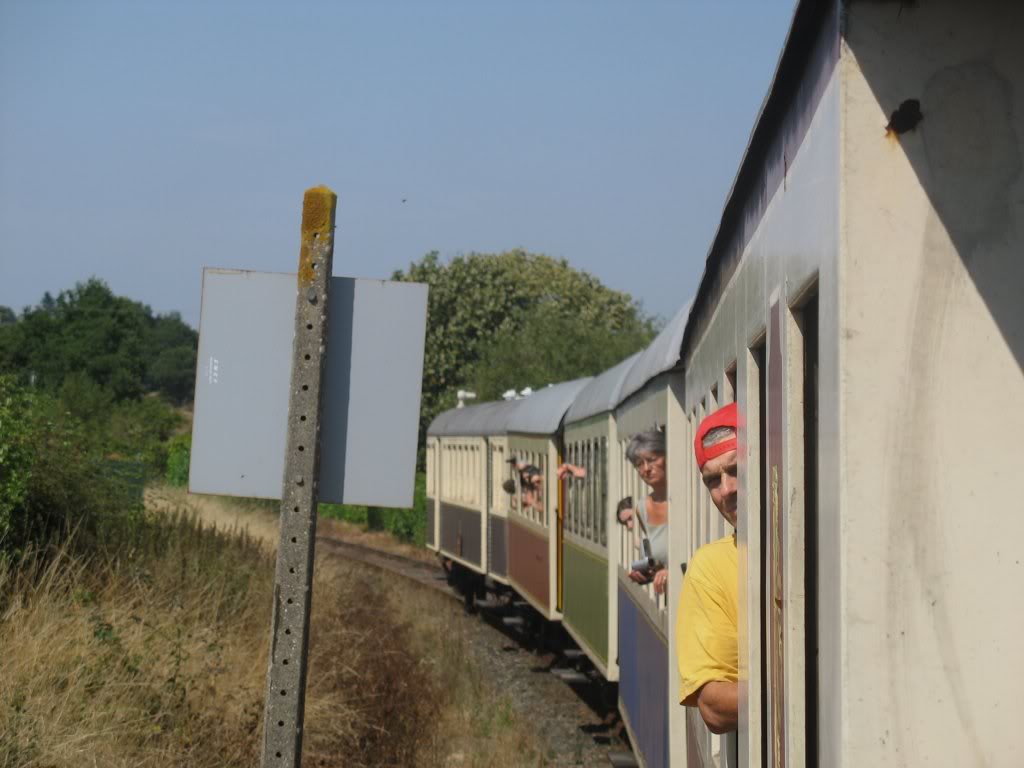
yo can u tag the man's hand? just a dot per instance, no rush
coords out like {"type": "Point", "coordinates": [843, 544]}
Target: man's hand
{"type": "Point", "coordinates": [570, 469]}
{"type": "Point", "coordinates": [718, 702]}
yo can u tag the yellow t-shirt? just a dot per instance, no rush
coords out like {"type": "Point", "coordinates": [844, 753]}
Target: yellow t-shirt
{"type": "Point", "coordinates": [706, 643]}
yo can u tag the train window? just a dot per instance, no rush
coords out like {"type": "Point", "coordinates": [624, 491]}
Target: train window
{"type": "Point", "coordinates": [574, 492]}
{"type": "Point", "coordinates": [603, 474]}
{"type": "Point", "coordinates": [585, 492]}
{"type": "Point", "coordinates": [580, 492]}
{"type": "Point", "coordinates": [591, 480]}
{"type": "Point", "coordinates": [808, 320]}
{"type": "Point", "coordinates": [592, 488]}
{"type": "Point", "coordinates": [757, 363]}
{"type": "Point", "coordinates": [542, 491]}
{"type": "Point", "coordinates": [581, 501]}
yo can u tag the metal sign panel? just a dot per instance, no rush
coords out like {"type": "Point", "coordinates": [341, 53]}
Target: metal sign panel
{"type": "Point", "coordinates": [371, 407]}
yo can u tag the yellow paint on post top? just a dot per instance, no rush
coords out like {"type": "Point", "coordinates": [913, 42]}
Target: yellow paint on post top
{"type": "Point", "coordinates": [318, 208]}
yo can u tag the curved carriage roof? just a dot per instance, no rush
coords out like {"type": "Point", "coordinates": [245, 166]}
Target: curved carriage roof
{"type": "Point", "coordinates": [603, 393]}
{"type": "Point", "coordinates": [662, 355]}
{"type": "Point", "coordinates": [473, 420]}
{"type": "Point", "coordinates": [541, 413]}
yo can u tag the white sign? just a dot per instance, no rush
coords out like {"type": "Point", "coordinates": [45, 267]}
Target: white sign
{"type": "Point", "coordinates": [371, 399]}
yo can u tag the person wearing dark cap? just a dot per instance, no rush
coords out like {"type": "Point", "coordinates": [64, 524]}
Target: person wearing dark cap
{"type": "Point", "coordinates": [706, 625]}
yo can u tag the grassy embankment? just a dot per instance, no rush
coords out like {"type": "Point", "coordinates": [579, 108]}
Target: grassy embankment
{"type": "Point", "coordinates": [134, 636]}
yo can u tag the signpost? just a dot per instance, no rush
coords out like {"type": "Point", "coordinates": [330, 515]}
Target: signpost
{"type": "Point", "coordinates": [349, 427]}
{"type": "Point", "coordinates": [293, 581]}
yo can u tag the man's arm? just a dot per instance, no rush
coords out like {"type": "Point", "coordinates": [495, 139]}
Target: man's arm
{"type": "Point", "coordinates": [718, 702]}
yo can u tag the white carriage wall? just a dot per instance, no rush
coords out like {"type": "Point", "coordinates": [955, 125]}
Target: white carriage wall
{"type": "Point", "coordinates": [912, 244]}
{"type": "Point", "coordinates": [932, 387]}
{"type": "Point", "coordinates": [793, 250]}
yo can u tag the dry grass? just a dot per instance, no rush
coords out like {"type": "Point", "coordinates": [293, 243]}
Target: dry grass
{"type": "Point", "coordinates": [475, 723]}
{"type": "Point", "coordinates": [157, 657]}
{"type": "Point", "coordinates": [146, 659]}
{"type": "Point", "coordinates": [478, 727]}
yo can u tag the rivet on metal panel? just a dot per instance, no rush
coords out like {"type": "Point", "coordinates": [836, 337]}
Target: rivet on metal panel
{"type": "Point", "coordinates": [311, 295]}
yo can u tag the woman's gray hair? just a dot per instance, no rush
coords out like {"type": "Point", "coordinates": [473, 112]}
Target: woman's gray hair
{"type": "Point", "coordinates": [651, 441]}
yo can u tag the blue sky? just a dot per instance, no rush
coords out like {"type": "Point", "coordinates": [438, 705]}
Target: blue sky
{"type": "Point", "coordinates": [141, 141]}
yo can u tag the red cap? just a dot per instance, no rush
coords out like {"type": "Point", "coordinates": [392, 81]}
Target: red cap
{"type": "Point", "coordinates": [723, 417]}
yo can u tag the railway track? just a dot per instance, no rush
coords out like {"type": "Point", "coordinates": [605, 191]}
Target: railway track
{"type": "Point", "coordinates": [580, 721]}
{"type": "Point", "coordinates": [425, 574]}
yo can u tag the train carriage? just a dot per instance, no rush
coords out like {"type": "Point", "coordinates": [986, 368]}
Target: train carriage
{"type": "Point", "coordinates": [500, 470]}
{"type": "Point", "coordinates": [534, 522]}
{"type": "Point", "coordinates": [589, 582]}
{"type": "Point", "coordinates": [861, 303]}
{"type": "Point", "coordinates": [457, 447]}
{"type": "Point", "coordinates": [650, 399]}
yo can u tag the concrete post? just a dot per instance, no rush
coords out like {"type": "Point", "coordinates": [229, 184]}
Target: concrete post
{"type": "Point", "coordinates": [293, 583]}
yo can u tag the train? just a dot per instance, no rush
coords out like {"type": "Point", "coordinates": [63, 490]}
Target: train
{"type": "Point", "coordinates": [862, 304]}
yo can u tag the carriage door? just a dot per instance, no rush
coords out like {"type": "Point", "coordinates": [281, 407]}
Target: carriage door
{"type": "Point", "coordinates": [791, 625]}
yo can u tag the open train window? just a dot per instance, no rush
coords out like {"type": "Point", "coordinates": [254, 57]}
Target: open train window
{"type": "Point", "coordinates": [602, 475]}
{"type": "Point", "coordinates": [808, 323]}
{"type": "Point", "coordinates": [758, 365]}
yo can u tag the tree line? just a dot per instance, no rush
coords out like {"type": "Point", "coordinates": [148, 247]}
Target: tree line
{"type": "Point", "coordinates": [103, 373]}
{"type": "Point", "coordinates": [90, 343]}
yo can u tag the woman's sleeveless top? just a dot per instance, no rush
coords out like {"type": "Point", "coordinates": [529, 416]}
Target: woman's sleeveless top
{"type": "Point", "coordinates": [656, 534]}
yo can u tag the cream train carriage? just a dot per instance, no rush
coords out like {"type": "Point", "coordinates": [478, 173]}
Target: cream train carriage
{"type": "Point", "coordinates": [535, 520]}
{"type": "Point", "coordinates": [862, 302]}
{"type": "Point", "coordinates": [588, 584]}
{"type": "Point", "coordinates": [651, 398]}
{"type": "Point", "coordinates": [464, 447]}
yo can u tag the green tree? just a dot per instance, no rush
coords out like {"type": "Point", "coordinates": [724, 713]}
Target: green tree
{"type": "Point", "coordinates": [115, 342]}
{"type": "Point", "coordinates": [479, 298]}
{"type": "Point", "coordinates": [548, 346]}
{"type": "Point", "coordinates": [173, 372]}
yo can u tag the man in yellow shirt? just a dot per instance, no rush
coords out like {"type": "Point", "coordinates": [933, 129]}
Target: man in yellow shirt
{"type": "Point", "coordinates": [706, 623]}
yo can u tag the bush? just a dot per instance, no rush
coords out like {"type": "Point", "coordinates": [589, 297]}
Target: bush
{"type": "Point", "coordinates": [139, 429]}
{"type": "Point", "coordinates": [15, 453]}
{"type": "Point", "coordinates": [179, 454]}
{"type": "Point", "coordinates": [347, 512]}
{"type": "Point", "coordinates": [55, 478]}
{"type": "Point", "coordinates": [408, 525]}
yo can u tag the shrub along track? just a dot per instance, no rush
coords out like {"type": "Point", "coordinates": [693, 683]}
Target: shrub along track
{"type": "Point", "coordinates": [574, 723]}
